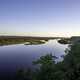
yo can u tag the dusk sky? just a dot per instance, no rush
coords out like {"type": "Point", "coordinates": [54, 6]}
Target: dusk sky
{"type": "Point", "coordinates": [40, 17]}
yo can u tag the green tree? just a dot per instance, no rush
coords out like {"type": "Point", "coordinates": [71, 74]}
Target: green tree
{"type": "Point", "coordinates": [46, 70]}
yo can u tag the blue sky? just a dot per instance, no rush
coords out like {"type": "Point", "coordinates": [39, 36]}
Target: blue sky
{"type": "Point", "coordinates": [40, 17]}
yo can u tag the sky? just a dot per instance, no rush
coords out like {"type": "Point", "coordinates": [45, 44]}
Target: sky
{"type": "Point", "coordinates": [40, 17]}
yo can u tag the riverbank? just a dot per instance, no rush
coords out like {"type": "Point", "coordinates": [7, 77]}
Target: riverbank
{"type": "Point", "coordinates": [65, 41]}
{"type": "Point", "coordinates": [8, 40]}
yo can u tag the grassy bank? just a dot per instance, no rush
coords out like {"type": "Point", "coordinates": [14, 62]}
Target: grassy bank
{"type": "Point", "coordinates": [20, 41]}
{"type": "Point", "coordinates": [64, 41]}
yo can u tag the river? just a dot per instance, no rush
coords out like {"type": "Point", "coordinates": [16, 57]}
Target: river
{"type": "Point", "coordinates": [13, 57]}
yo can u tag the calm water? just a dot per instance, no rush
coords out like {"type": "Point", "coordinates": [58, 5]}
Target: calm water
{"type": "Point", "coordinates": [13, 57]}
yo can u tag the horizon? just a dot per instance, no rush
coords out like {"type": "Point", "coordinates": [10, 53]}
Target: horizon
{"type": "Point", "coordinates": [45, 18]}
{"type": "Point", "coordinates": [38, 36]}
